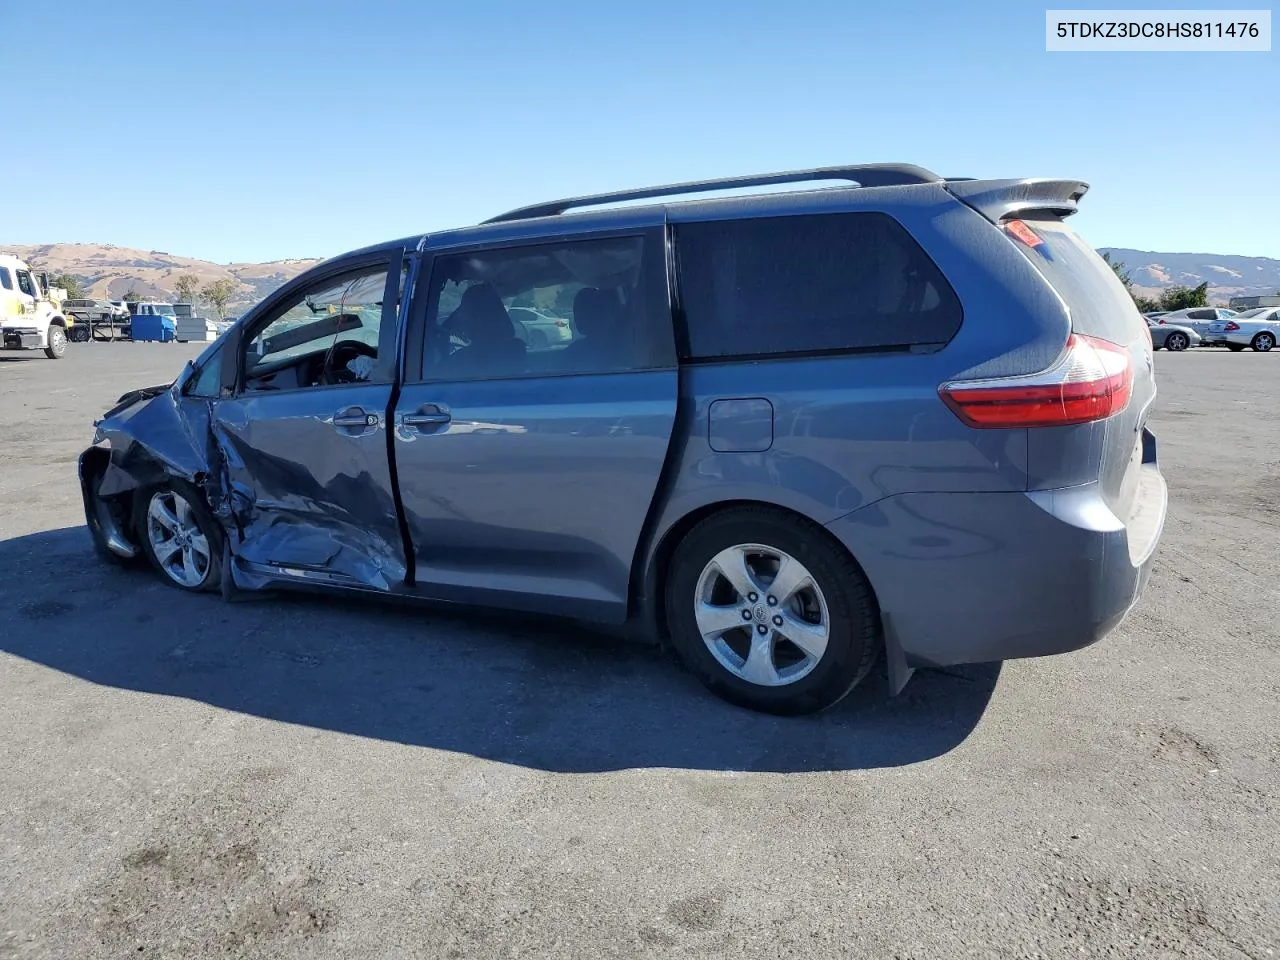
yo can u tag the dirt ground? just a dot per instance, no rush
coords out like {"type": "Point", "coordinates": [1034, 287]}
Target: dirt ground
{"type": "Point", "coordinates": [295, 777]}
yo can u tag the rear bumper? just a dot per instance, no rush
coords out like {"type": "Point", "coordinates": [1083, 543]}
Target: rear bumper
{"type": "Point", "coordinates": [980, 577]}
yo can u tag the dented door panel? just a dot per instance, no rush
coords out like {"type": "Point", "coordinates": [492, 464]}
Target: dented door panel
{"type": "Point", "coordinates": [308, 482]}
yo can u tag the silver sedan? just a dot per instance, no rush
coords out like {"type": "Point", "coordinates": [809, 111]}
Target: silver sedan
{"type": "Point", "coordinates": [1171, 336]}
{"type": "Point", "coordinates": [1259, 329]}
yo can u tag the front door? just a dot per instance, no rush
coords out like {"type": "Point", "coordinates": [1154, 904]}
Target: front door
{"type": "Point", "coordinates": [304, 437]}
{"type": "Point", "coordinates": [532, 429]}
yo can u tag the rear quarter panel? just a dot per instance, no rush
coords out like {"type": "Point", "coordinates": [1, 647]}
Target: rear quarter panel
{"type": "Point", "coordinates": [852, 429]}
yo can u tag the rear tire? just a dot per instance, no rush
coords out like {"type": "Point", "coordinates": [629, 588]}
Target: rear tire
{"type": "Point", "coordinates": [56, 339]}
{"type": "Point", "coordinates": [79, 334]}
{"type": "Point", "coordinates": [798, 652]}
{"type": "Point", "coordinates": [1176, 342]}
{"type": "Point", "coordinates": [1263, 342]}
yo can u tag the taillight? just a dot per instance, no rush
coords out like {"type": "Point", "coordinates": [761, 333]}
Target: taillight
{"type": "Point", "coordinates": [1231, 327]}
{"type": "Point", "coordinates": [1093, 380]}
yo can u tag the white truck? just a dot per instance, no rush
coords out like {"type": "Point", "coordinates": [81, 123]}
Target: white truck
{"type": "Point", "coordinates": [30, 319]}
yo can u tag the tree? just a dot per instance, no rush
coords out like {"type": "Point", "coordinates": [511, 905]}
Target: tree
{"type": "Point", "coordinates": [67, 282]}
{"type": "Point", "coordinates": [218, 293]}
{"type": "Point", "coordinates": [1181, 298]}
{"type": "Point", "coordinates": [1144, 304]}
{"type": "Point", "coordinates": [131, 295]}
{"type": "Point", "coordinates": [187, 286]}
{"type": "Point", "coordinates": [1121, 273]}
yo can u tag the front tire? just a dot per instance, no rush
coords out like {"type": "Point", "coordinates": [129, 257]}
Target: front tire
{"type": "Point", "coordinates": [1176, 342]}
{"type": "Point", "coordinates": [179, 536]}
{"type": "Point", "coordinates": [769, 613]}
{"type": "Point", "coordinates": [56, 339]}
{"type": "Point", "coordinates": [1263, 342]}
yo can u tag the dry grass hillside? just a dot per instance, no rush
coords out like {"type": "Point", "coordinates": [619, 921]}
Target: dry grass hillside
{"type": "Point", "coordinates": [108, 272]}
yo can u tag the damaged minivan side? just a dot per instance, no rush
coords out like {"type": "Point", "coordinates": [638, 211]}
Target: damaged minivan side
{"type": "Point", "coordinates": [786, 432]}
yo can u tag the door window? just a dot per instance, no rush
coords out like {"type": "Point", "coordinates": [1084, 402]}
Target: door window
{"type": "Point", "coordinates": [6, 280]}
{"type": "Point", "coordinates": [572, 307]}
{"type": "Point", "coordinates": [1202, 315]}
{"type": "Point", "coordinates": [25, 284]}
{"type": "Point", "coordinates": [330, 334]}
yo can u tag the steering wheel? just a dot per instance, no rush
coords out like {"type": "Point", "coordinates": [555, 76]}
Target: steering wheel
{"type": "Point", "coordinates": [339, 355]}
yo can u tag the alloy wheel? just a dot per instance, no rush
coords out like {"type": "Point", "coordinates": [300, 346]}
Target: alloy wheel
{"type": "Point", "coordinates": [762, 615]}
{"type": "Point", "coordinates": [180, 547]}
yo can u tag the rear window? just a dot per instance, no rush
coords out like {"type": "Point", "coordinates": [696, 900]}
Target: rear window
{"type": "Point", "coordinates": [1100, 305]}
{"type": "Point", "coordinates": [810, 284]}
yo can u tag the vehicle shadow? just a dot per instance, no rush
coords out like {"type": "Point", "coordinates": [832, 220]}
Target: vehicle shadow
{"type": "Point", "coordinates": [542, 694]}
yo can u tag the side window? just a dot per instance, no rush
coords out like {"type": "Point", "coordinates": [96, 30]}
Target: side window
{"type": "Point", "coordinates": [1202, 315]}
{"type": "Point", "coordinates": [327, 335]}
{"type": "Point", "coordinates": [572, 307]}
{"type": "Point", "coordinates": [6, 280]}
{"type": "Point", "coordinates": [810, 283]}
{"type": "Point", "coordinates": [25, 284]}
{"type": "Point", "coordinates": [208, 382]}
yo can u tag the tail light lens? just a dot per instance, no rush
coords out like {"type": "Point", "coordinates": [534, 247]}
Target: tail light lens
{"type": "Point", "coordinates": [1231, 326]}
{"type": "Point", "coordinates": [1092, 380]}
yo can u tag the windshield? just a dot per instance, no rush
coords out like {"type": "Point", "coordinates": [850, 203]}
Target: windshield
{"type": "Point", "coordinates": [164, 309]}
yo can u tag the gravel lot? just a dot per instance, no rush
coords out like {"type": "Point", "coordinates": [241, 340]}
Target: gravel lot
{"type": "Point", "coordinates": [182, 777]}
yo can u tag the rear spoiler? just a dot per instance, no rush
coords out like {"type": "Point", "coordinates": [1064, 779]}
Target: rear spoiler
{"type": "Point", "coordinates": [999, 200]}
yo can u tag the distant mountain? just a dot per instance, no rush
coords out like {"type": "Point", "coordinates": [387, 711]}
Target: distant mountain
{"type": "Point", "coordinates": [1228, 275]}
{"type": "Point", "coordinates": [108, 272]}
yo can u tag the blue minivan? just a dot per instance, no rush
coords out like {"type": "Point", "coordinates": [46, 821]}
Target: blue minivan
{"type": "Point", "coordinates": [784, 431]}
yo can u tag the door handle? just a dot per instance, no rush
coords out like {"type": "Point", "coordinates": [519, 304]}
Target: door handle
{"type": "Point", "coordinates": [430, 415]}
{"type": "Point", "coordinates": [354, 419]}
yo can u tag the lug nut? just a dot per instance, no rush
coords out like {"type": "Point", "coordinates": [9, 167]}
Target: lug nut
{"type": "Point", "coordinates": [752, 597]}
{"type": "Point", "coordinates": [777, 621]}
{"type": "Point", "coordinates": [762, 629]}
{"type": "Point", "coordinates": [773, 601]}
{"type": "Point", "coordinates": [746, 614]}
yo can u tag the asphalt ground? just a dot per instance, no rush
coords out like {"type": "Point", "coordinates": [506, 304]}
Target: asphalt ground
{"type": "Point", "coordinates": [302, 777]}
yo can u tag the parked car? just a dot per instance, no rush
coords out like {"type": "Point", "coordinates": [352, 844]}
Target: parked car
{"type": "Point", "coordinates": [1258, 328]}
{"type": "Point", "coordinates": [1155, 314]}
{"type": "Point", "coordinates": [891, 418]}
{"type": "Point", "coordinates": [1197, 318]}
{"type": "Point", "coordinates": [539, 330]}
{"type": "Point", "coordinates": [1171, 336]}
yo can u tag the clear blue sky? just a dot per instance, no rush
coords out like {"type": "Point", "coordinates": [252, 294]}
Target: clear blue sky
{"type": "Point", "coordinates": [252, 131]}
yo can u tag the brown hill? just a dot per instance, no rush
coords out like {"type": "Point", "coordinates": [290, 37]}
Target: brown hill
{"type": "Point", "coordinates": [108, 272]}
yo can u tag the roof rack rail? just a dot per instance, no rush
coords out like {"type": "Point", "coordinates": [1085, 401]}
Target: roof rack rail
{"type": "Point", "coordinates": [865, 175]}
